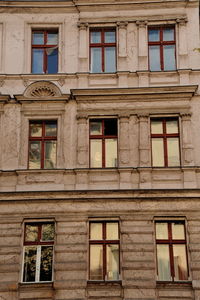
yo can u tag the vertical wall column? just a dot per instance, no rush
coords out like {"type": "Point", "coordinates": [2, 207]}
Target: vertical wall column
{"type": "Point", "coordinates": [122, 65]}
{"type": "Point", "coordinates": [188, 155]}
{"type": "Point", "coordinates": [82, 149]}
{"type": "Point", "coordinates": [83, 47]}
{"type": "Point", "coordinates": [183, 47]}
{"type": "Point", "coordinates": [124, 141]}
{"type": "Point", "coordinates": [144, 141]}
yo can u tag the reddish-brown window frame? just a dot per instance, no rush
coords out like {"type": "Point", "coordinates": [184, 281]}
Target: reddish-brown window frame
{"type": "Point", "coordinates": [165, 136]}
{"type": "Point", "coordinates": [162, 43]}
{"type": "Point", "coordinates": [41, 139]}
{"type": "Point", "coordinates": [102, 45]}
{"type": "Point", "coordinates": [102, 137]}
{"type": "Point", "coordinates": [172, 242]}
{"type": "Point", "coordinates": [104, 242]}
{"type": "Point", "coordinates": [44, 46]}
{"type": "Point", "coordinates": [39, 241]}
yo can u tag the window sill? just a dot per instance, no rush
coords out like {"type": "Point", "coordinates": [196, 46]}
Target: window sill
{"type": "Point", "coordinates": [173, 284]}
{"type": "Point", "coordinates": [36, 285]}
{"type": "Point", "coordinates": [104, 283]}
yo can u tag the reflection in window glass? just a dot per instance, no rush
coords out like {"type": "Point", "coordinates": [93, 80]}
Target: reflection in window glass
{"type": "Point", "coordinates": [172, 126]}
{"type": "Point", "coordinates": [173, 152]}
{"type": "Point", "coordinates": [34, 155]}
{"type": "Point", "coordinates": [96, 231]}
{"type": "Point", "coordinates": [52, 61]}
{"type": "Point", "coordinates": [96, 127]}
{"type": "Point", "coordinates": [36, 129]}
{"type": "Point", "coordinates": [51, 129]}
{"type": "Point", "coordinates": [38, 38]}
{"type": "Point", "coordinates": [154, 35]}
{"type": "Point", "coordinates": [110, 37]}
{"type": "Point", "coordinates": [110, 59]}
{"type": "Point", "coordinates": [96, 153]}
{"type": "Point", "coordinates": [169, 57]}
{"type": "Point", "coordinates": [112, 231]}
{"type": "Point", "coordinates": [96, 262]}
{"type": "Point", "coordinates": [29, 264]}
{"type": "Point", "coordinates": [112, 254]}
{"type": "Point", "coordinates": [52, 38]}
{"type": "Point", "coordinates": [46, 263]}
{"type": "Point", "coordinates": [154, 58]}
{"type": "Point", "coordinates": [178, 231]}
{"type": "Point", "coordinates": [111, 152]}
{"type": "Point", "coordinates": [180, 262]}
{"type": "Point", "coordinates": [31, 233]}
{"type": "Point", "coordinates": [168, 34]}
{"type": "Point", "coordinates": [156, 126]}
{"type": "Point", "coordinates": [37, 65]}
{"type": "Point", "coordinates": [50, 155]}
{"type": "Point", "coordinates": [48, 232]}
{"type": "Point", "coordinates": [162, 231]}
{"type": "Point", "coordinates": [163, 261]}
{"type": "Point", "coordinates": [157, 152]}
{"type": "Point", "coordinates": [96, 62]}
{"type": "Point", "coordinates": [95, 37]}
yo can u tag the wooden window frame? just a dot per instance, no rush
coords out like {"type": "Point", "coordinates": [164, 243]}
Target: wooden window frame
{"type": "Point", "coordinates": [102, 45]}
{"type": "Point", "coordinates": [162, 43]}
{"type": "Point", "coordinates": [165, 136]}
{"type": "Point", "coordinates": [41, 139]}
{"type": "Point", "coordinates": [104, 242]}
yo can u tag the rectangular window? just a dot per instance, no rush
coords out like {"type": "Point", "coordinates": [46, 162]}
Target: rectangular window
{"type": "Point", "coordinates": [104, 250]}
{"type": "Point", "coordinates": [45, 51]}
{"type": "Point", "coordinates": [103, 143]}
{"type": "Point", "coordinates": [165, 142]}
{"type": "Point", "coordinates": [171, 251]}
{"type": "Point", "coordinates": [38, 252]}
{"type": "Point", "coordinates": [42, 144]}
{"type": "Point", "coordinates": [102, 50]}
{"type": "Point", "coordinates": [162, 48]}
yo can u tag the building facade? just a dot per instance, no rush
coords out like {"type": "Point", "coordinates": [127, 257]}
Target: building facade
{"type": "Point", "coordinates": [99, 152]}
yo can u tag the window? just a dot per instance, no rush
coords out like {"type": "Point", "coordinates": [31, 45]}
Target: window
{"type": "Point", "coordinates": [104, 250]}
{"type": "Point", "coordinates": [162, 48]}
{"type": "Point", "coordinates": [42, 144]}
{"type": "Point", "coordinates": [38, 252]}
{"type": "Point", "coordinates": [103, 143]}
{"type": "Point", "coordinates": [102, 50]}
{"type": "Point", "coordinates": [165, 142]}
{"type": "Point", "coordinates": [171, 251]}
{"type": "Point", "coordinates": [45, 51]}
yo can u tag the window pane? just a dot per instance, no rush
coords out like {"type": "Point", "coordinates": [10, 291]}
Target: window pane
{"type": "Point", "coordinates": [38, 38]}
{"type": "Point", "coordinates": [52, 60]}
{"type": "Point", "coordinates": [110, 37]}
{"type": "Point", "coordinates": [112, 252]}
{"type": "Point", "coordinates": [172, 126]}
{"type": "Point", "coordinates": [96, 153]}
{"type": "Point", "coordinates": [169, 57]}
{"type": "Point", "coordinates": [96, 232]}
{"type": "Point", "coordinates": [173, 152]}
{"type": "Point", "coordinates": [46, 263]}
{"type": "Point", "coordinates": [31, 233]}
{"type": "Point", "coordinates": [29, 263]}
{"type": "Point", "coordinates": [161, 231]}
{"type": "Point", "coordinates": [163, 262]}
{"type": "Point", "coordinates": [110, 59]}
{"type": "Point", "coordinates": [168, 34]}
{"type": "Point", "coordinates": [111, 152]}
{"type": "Point", "coordinates": [96, 127]}
{"type": "Point", "coordinates": [96, 61]}
{"type": "Point", "coordinates": [51, 129]}
{"type": "Point", "coordinates": [37, 61]}
{"type": "Point", "coordinates": [154, 58]}
{"type": "Point", "coordinates": [178, 231]}
{"type": "Point", "coordinates": [112, 231]}
{"type": "Point", "coordinates": [96, 262]}
{"type": "Point", "coordinates": [95, 37]}
{"type": "Point", "coordinates": [154, 35]}
{"type": "Point", "coordinates": [36, 129]}
{"type": "Point", "coordinates": [157, 152]}
{"type": "Point", "coordinates": [180, 262]}
{"type": "Point", "coordinates": [110, 127]}
{"type": "Point", "coordinates": [50, 155]}
{"type": "Point", "coordinates": [156, 126]}
{"type": "Point", "coordinates": [34, 155]}
{"type": "Point", "coordinates": [52, 38]}
{"type": "Point", "coordinates": [48, 232]}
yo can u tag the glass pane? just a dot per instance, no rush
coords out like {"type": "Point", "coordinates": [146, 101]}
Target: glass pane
{"type": "Point", "coordinates": [111, 152]}
{"type": "Point", "coordinates": [46, 263]}
{"type": "Point", "coordinates": [95, 37]}
{"type": "Point", "coordinates": [96, 62]}
{"type": "Point", "coordinates": [156, 126]}
{"type": "Point", "coordinates": [34, 155]}
{"type": "Point", "coordinates": [38, 38]}
{"type": "Point", "coordinates": [96, 153]}
{"type": "Point", "coordinates": [96, 262]}
{"type": "Point", "coordinates": [37, 61]}
{"type": "Point", "coordinates": [169, 57]}
{"type": "Point", "coordinates": [178, 231]}
{"type": "Point", "coordinates": [36, 129]}
{"type": "Point", "coordinates": [110, 59]}
{"type": "Point", "coordinates": [168, 34]}
{"type": "Point", "coordinates": [48, 232]}
{"type": "Point", "coordinates": [162, 231]}
{"type": "Point", "coordinates": [112, 253]}
{"type": "Point", "coordinates": [180, 262]}
{"type": "Point", "coordinates": [96, 127]}
{"type": "Point", "coordinates": [110, 127]}
{"type": "Point", "coordinates": [31, 233]}
{"type": "Point", "coordinates": [29, 264]}
{"type": "Point", "coordinates": [172, 126]}
{"type": "Point", "coordinates": [157, 152]}
{"type": "Point", "coordinates": [52, 60]}
{"type": "Point", "coordinates": [96, 232]}
{"type": "Point", "coordinates": [163, 262]}
{"type": "Point", "coordinates": [154, 35]}
{"type": "Point", "coordinates": [112, 231]}
{"type": "Point", "coordinates": [51, 129]}
{"type": "Point", "coordinates": [110, 37]}
{"type": "Point", "coordinates": [154, 58]}
{"type": "Point", "coordinates": [52, 38]}
{"type": "Point", "coordinates": [173, 152]}
{"type": "Point", "coordinates": [50, 155]}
